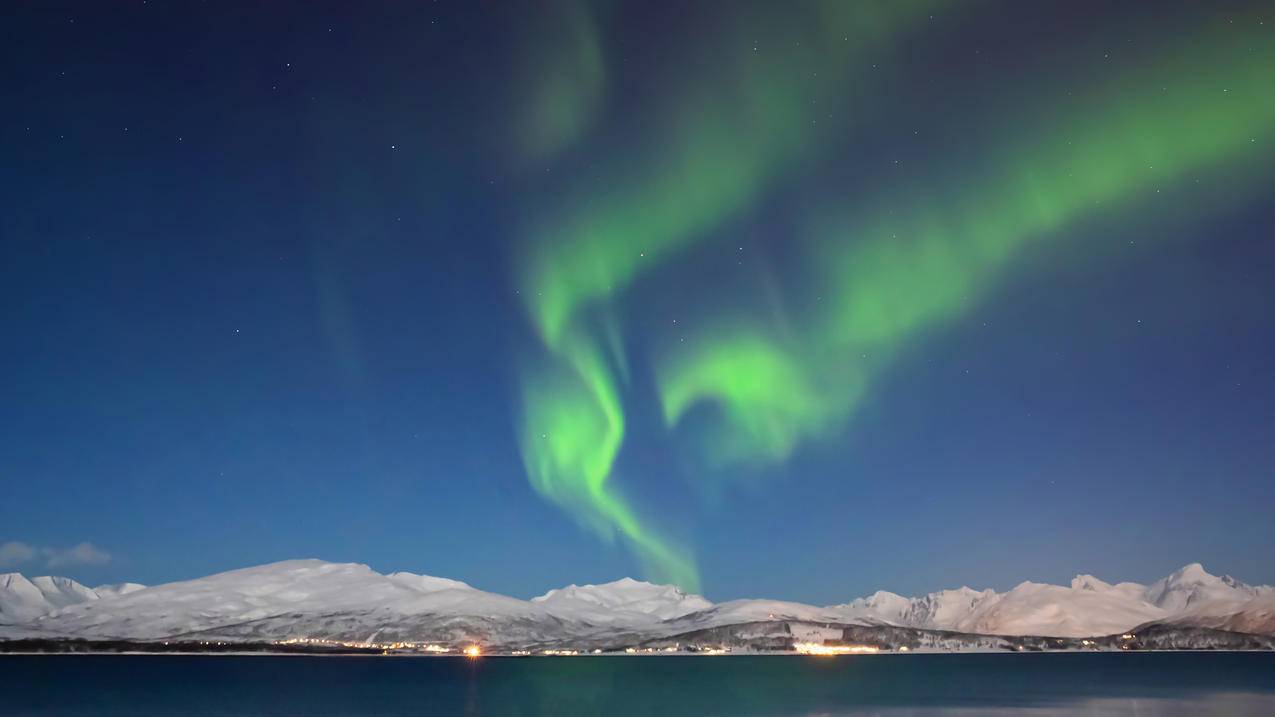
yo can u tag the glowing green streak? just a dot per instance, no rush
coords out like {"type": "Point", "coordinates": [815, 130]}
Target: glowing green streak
{"type": "Point", "coordinates": [723, 145]}
{"type": "Point", "coordinates": [890, 279]}
{"type": "Point", "coordinates": [770, 400]}
{"type": "Point", "coordinates": [898, 277]}
{"type": "Point", "coordinates": [571, 432]}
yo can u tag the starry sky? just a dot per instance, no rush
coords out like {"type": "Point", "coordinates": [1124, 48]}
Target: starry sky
{"type": "Point", "coordinates": [795, 300]}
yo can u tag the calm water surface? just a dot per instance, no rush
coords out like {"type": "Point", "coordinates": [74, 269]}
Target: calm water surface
{"type": "Point", "coordinates": [895, 685]}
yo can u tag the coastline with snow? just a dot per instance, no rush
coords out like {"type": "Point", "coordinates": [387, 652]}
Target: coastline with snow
{"type": "Point", "coordinates": [315, 607]}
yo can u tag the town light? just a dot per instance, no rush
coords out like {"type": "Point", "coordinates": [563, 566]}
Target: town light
{"type": "Point", "coordinates": [813, 648]}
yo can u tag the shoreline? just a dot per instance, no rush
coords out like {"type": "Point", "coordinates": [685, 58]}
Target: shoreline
{"type": "Point", "coordinates": [613, 654]}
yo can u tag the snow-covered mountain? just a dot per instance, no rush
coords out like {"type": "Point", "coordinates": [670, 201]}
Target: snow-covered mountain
{"type": "Point", "coordinates": [741, 611]}
{"type": "Point", "coordinates": [942, 609]}
{"type": "Point", "coordinates": [60, 592]}
{"type": "Point", "coordinates": [310, 598]}
{"type": "Point", "coordinates": [349, 602]}
{"type": "Point", "coordinates": [1192, 587]}
{"type": "Point", "coordinates": [626, 601]}
{"type": "Point", "coordinates": [20, 599]}
{"type": "Point", "coordinates": [23, 600]}
{"type": "Point", "coordinates": [1086, 607]}
{"type": "Point", "coordinates": [117, 589]}
{"type": "Point", "coordinates": [1194, 598]}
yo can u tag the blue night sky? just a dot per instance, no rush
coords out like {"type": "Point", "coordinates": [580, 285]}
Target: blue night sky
{"type": "Point", "coordinates": [791, 302]}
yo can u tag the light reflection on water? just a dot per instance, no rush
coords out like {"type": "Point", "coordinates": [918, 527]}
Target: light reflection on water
{"type": "Point", "coordinates": [999, 685]}
{"type": "Point", "coordinates": [1218, 705]}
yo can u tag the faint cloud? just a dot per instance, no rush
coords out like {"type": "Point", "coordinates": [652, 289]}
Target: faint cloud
{"type": "Point", "coordinates": [82, 554]}
{"type": "Point", "coordinates": [15, 553]}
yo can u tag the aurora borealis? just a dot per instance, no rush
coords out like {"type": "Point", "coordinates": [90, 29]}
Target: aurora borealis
{"type": "Point", "coordinates": [573, 424]}
{"type": "Point", "coordinates": [887, 278]}
{"type": "Point", "coordinates": [882, 278]}
{"type": "Point", "coordinates": [795, 299]}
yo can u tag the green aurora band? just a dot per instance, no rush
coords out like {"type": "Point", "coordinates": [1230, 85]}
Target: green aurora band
{"type": "Point", "coordinates": [883, 278]}
{"type": "Point", "coordinates": [725, 139]}
{"type": "Point", "coordinates": [886, 279]}
{"type": "Point", "coordinates": [694, 177]}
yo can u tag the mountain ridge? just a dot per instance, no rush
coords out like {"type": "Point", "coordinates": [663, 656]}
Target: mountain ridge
{"type": "Point", "coordinates": [23, 599]}
{"type": "Point", "coordinates": [350, 602]}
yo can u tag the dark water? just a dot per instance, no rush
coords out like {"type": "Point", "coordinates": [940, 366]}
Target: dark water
{"type": "Point", "coordinates": [896, 685]}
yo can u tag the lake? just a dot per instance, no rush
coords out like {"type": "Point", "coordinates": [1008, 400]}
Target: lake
{"type": "Point", "coordinates": [1200, 683]}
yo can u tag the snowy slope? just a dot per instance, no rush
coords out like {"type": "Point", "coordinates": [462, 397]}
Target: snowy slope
{"type": "Point", "coordinates": [1086, 607]}
{"type": "Point", "coordinates": [20, 599]}
{"type": "Point", "coordinates": [740, 611]}
{"type": "Point", "coordinates": [1080, 610]}
{"type": "Point", "coordinates": [627, 601]}
{"type": "Point", "coordinates": [23, 599]}
{"type": "Point", "coordinates": [427, 583]}
{"type": "Point", "coordinates": [939, 610]}
{"type": "Point", "coordinates": [1194, 598]}
{"type": "Point", "coordinates": [296, 588]}
{"type": "Point", "coordinates": [1256, 616]}
{"type": "Point", "coordinates": [60, 592]}
{"type": "Point", "coordinates": [1191, 588]}
{"type": "Point", "coordinates": [117, 589]}
{"type": "Point", "coordinates": [315, 599]}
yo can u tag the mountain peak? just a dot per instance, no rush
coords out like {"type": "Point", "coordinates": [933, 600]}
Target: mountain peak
{"type": "Point", "coordinates": [23, 598]}
{"type": "Point", "coordinates": [116, 589]}
{"type": "Point", "coordinates": [1089, 582]}
{"type": "Point", "coordinates": [61, 592]}
{"type": "Point", "coordinates": [627, 595]}
{"type": "Point", "coordinates": [622, 583]}
{"type": "Point", "coordinates": [1191, 585]}
{"type": "Point", "coordinates": [623, 586]}
{"type": "Point", "coordinates": [10, 579]}
{"type": "Point", "coordinates": [427, 583]}
{"type": "Point", "coordinates": [1191, 571]}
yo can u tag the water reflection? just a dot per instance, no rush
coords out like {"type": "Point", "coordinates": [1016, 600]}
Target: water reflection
{"type": "Point", "coordinates": [1219, 705]}
{"type": "Point", "coordinates": [1040, 685]}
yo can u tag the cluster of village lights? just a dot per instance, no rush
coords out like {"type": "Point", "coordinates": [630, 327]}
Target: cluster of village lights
{"type": "Point", "coordinates": [814, 648]}
{"type": "Point", "coordinates": [475, 651]}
